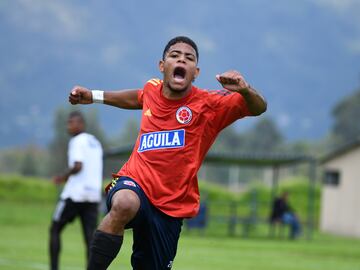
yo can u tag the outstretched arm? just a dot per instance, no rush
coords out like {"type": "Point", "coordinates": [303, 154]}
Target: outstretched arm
{"type": "Point", "coordinates": [125, 99]}
{"type": "Point", "coordinates": [234, 82]}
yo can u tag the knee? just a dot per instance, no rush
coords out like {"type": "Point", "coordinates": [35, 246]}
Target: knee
{"type": "Point", "coordinates": [124, 205]}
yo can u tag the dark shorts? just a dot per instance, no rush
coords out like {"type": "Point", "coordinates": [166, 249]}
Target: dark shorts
{"type": "Point", "coordinates": [155, 234]}
{"type": "Point", "coordinates": [67, 210]}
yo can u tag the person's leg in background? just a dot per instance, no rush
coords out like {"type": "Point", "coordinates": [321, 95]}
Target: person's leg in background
{"type": "Point", "coordinates": [65, 213]}
{"type": "Point", "coordinates": [293, 222]}
{"type": "Point", "coordinates": [89, 220]}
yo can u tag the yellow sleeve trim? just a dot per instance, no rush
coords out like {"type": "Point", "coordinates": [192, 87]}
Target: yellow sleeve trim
{"type": "Point", "coordinates": [155, 81]}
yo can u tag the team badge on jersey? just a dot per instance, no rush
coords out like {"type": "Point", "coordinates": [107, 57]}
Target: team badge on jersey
{"type": "Point", "coordinates": [183, 115]}
{"type": "Point", "coordinates": [129, 183]}
{"type": "Point", "coordinates": [162, 140]}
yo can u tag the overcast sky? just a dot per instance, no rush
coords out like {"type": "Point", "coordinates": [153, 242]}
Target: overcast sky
{"type": "Point", "coordinates": [304, 55]}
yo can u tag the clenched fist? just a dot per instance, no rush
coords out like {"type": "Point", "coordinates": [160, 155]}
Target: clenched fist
{"type": "Point", "coordinates": [80, 95]}
{"type": "Point", "coordinates": [233, 81]}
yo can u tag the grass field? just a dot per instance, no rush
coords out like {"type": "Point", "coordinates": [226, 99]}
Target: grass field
{"type": "Point", "coordinates": [24, 236]}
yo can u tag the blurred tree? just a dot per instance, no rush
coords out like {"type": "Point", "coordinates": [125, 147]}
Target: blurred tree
{"type": "Point", "coordinates": [29, 166]}
{"type": "Point", "coordinates": [346, 125]}
{"type": "Point", "coordinates": [228, 141]}
{"type": "Point", "coordinates": [93, 126]}
{"type": "Point", "coordinates": [264, 137]}
{"type": "Point", "coordinates": [126, 138]}
{"type": "Point", "coordinates": [10, 160]}
{"type": "Point", "coordinates": [129, 133]}
{"type": "Point", "coordinates": [58, 146]}
{"type": "Point", "coordinates": [30, 160]}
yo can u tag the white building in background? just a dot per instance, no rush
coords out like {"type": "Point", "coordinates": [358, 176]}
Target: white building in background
{"type": "Point", "coordinates": [340, 202]}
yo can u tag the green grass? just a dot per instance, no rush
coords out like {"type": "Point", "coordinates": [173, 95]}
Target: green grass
{"type": "Point", "coordinates": [25, 218]}
{"type": "Point", "coordinates": [24, 237]}
{"type": "Point", "coordinates": [26, 189]}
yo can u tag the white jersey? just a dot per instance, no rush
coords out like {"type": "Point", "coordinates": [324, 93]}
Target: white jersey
{"type": "Point", "coordinates": [86, 185]}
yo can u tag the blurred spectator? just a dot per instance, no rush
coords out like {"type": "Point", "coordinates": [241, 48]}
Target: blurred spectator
{"type": "Point", "coordinates": [200, 220]}
{"type": "Point", "coordinates": [81, 194]}
{"type": "Point", "coordinates": [283, 213]}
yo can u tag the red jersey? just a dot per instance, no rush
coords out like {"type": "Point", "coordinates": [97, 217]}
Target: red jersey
{"type": "Point", "coordinates": [174, 138]}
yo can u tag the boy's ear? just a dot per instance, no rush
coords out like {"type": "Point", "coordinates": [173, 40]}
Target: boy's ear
{"type": "Point", "coordinates": [197, 72]}
{"type": "Point", "coordinates": [161, 66]}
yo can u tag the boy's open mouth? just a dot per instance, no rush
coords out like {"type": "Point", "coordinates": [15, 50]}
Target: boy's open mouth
{"type": "Point", "coordinates": [179, 73]}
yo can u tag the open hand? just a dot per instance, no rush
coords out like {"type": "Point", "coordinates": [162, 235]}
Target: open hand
{"type": "Point", "coordinates": [80, 95]}
{"type": "Point", "coordinates": [233, 81]}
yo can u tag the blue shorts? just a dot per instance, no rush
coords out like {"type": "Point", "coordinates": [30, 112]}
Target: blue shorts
{"type": "Point", "coordinates": [155, 234]}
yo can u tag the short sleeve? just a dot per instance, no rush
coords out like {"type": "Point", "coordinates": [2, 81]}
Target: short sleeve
{"type": "Point", "coordinates": [140, 96]}
{"type": "Point", "coordinates": [228, 108]}
{"type": "Point", "coordinates": [149, 85]}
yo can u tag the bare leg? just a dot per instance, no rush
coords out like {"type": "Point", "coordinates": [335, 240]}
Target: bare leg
{"type": "Point", "coordinates": [124, 206]}
{"type": "Point", "coordinates": [108, 238]}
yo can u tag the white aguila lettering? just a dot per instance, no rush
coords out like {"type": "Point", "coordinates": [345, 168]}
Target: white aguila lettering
{"type": "Point", "coordinates": [161, 140]}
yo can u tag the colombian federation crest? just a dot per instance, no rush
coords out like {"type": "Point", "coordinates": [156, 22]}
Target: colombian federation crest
{"type": "Point", "coordinates": [183, 115]}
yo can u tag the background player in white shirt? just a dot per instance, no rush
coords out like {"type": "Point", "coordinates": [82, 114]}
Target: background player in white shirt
{"type": "Point", "coordinates": [81, 194]}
